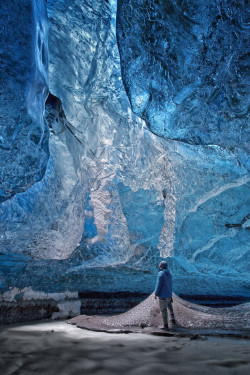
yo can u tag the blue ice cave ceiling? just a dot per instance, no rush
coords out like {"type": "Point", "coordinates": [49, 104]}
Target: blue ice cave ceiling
{"type": "Point", "coordinates": [124, 139]}
{"type": "Point", "coordinates": [184, 66]}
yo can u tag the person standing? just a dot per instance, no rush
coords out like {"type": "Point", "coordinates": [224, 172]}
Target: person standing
{"type": "Point", "coordinates": [163, 290]}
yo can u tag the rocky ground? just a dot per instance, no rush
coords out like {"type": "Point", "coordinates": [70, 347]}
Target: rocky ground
{"type": "Point", "coordinates": [189, 317]}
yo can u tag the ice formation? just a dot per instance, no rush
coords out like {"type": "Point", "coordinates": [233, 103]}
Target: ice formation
{"type": "Point", "coordinates": [24, 88]}
{"type": "Point", "coordinates": [184, 66]}
{"type": "Point", "coordinates": [97, 207]}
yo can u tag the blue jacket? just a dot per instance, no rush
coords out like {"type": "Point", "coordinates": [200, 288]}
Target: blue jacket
{"type": "Point", "coordinates": [163, 288]}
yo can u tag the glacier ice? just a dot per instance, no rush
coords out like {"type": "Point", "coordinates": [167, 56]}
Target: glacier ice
{"type": "Point", "coordinates": [24, 88]}
{"type": "Point", "coordinates": [184, 67]}
{"type": "Point", "coordinates": [108, 197]}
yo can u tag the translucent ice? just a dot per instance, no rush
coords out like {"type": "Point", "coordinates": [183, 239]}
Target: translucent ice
{"type": "Point", "coordinates": [24, 88]}
{"type": "Point", "coordinates": [184, 67]}
{"type": "Point", "coordinates": [115, 197]}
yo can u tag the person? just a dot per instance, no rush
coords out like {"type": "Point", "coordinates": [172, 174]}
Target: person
{"type": "Point", "coordinates": [163, 290]}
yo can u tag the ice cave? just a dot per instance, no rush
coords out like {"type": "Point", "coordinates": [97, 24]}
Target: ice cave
{"type": "Point", "coordinates": [124, 141]}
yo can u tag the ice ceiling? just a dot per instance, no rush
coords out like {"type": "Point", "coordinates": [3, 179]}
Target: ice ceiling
{"type": "Point", "coordinates": [124, 139]}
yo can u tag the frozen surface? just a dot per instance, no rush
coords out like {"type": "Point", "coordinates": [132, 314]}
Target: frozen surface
{"type": "Point", "coordinates": [184, 66]}
{"type": "Point", "coordinates": [114, 198]}
{"type": "Point", "coordinates": [24, 88]}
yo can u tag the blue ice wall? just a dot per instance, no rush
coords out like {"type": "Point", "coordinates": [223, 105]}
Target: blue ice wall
{"type": "Point", "coordinates": [90, 230]}
{"type": "Point", "coordinates": [114, 198]}
{"type": "Point", "coordinates": [184, 68]}
{"type": "Point", "coordinates": [24, 88]}
{"type": "Point", "coordinates": [144, 216]}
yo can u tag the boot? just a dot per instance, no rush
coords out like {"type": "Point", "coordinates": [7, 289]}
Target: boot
{"type": "Point", "coordinates": [174, 324]}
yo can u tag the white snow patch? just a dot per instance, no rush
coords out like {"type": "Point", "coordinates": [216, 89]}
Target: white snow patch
{"type": "Point", "coordinates": [30, 294]}
{"type": "Point", "coordinates": [67, 309]}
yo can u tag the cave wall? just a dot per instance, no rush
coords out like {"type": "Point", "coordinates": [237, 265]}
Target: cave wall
{"type": "Point", "coordinates": [184, 67]}
{"type": "Point", "coordinates": [112, 198]}
{"type": "Point", "coordinates": [24, 88]}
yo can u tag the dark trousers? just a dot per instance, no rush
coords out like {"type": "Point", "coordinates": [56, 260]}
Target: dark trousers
{"type": "Point", "coordinates": [165, 305]}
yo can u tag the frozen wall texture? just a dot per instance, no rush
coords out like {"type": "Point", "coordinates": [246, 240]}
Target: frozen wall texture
{"type": "Point", "coordinates": [24, 88]}
{"type": "Point", "coordinates": [114, 198]}
{"type": "Point", "coordinates": [184, 66]}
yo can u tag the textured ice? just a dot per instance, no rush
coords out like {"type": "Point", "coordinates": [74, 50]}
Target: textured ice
{"type": "Point", "coordinates": [184, 67]}
{"type": "Point", "coordinates": [114, 197]}
{"type": "Point", "coordinates": [24, 88]}
{"type": "Point", "coordinates": [28, 294]}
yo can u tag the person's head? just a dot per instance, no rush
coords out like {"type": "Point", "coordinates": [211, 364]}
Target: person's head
{"type": "Point", "coordinates": [163, 265]}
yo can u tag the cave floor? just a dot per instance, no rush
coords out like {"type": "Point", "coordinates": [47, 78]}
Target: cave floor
{"type": "Point", "coordinates": [55, 347]}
